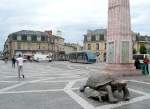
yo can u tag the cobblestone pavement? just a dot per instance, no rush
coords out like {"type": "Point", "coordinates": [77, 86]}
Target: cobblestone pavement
{"type": "Point", "coordinates": [55, 86]}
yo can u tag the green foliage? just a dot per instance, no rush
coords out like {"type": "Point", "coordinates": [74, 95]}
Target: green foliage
{"type": "Point", "coordinates": [134, 51]}
{"type": "Point", "coordinates": [143, 49]}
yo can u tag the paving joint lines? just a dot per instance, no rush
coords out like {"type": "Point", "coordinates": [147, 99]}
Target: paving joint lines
{"type": "Point", "coordinates": [87, 105]}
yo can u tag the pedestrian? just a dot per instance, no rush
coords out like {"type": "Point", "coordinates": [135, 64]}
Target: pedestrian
{"type": "Point", "coordinates": [137, 64]}
{"type": "Point", "coordinates": [13, 62]}
{"type": "Point", "coordinates": [20, 66]}
{"type": "Point", "coordinates": [97, 59]}
{"type": "Point", "coordinates": [146, 64]}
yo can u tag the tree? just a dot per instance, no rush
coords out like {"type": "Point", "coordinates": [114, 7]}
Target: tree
{"type": "Point", "coordinates": [143, 49]}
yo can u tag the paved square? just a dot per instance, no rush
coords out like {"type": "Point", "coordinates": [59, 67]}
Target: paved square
{"type": "Point", "coordinates": [55, 86]}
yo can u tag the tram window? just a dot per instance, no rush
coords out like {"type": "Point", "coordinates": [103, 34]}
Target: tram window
{"type": "Point", "coordinates": [86, 57]}
{"type": "Point", "coordinates": [80, 56]}
{"type": "Point", "coordinates": [74, 56]}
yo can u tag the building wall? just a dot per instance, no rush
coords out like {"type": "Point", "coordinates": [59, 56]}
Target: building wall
{"type": "Point", "coordinates": [17, 44]}
{"type": "Point", "coordinates": [71, 47]}
{"type": "Point", "coordinates": [101, 51]}
{"type": "Point", "coordinates": [96, 38]}
{"type": "Point", "coordinates": [138, 40]}
{"type": "Point", "coordinates": [138, 44]}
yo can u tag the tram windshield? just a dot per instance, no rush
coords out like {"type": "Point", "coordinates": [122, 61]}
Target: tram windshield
{"type": "Point", "coordinates": [91, 55]}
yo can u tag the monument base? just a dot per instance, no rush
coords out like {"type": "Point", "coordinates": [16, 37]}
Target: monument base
{"type": "Point", "coordinates": [122, 70]}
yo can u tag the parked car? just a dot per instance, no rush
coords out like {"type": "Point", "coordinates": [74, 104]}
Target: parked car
{"type": "Point", "coordinates": [24, 59]}
{"type": "Point", "coordinates": [41, 57]}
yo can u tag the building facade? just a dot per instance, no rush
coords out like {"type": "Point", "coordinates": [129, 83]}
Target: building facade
{"type": "Point", "coordinates": [140, 40]}
{"type": "Point", "coordinates": [71, 47]}
{"type": "Point", "coordinates": [95, 40]}
{"type": "Point", "coordinates": [28, 43]}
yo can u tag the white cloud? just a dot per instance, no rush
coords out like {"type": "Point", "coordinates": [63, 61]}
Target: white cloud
{"type": "Point", "coordinates": [72, 17]}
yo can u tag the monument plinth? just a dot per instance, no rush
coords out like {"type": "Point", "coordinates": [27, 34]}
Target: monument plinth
{"type": "Point", "coordinates": [119, 39]}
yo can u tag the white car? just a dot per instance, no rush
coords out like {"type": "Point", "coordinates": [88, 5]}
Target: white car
{"type": "Point", "coordinates": [24, 59]}
{"type": "Point", "coordinates": [40, 57]}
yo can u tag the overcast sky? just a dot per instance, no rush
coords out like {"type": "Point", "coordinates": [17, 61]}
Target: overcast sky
{"type": "Point", "coordinates": [72, 17]}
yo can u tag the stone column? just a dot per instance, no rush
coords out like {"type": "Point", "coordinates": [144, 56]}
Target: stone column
{"type": "Point", "coordinates": [119, 38]}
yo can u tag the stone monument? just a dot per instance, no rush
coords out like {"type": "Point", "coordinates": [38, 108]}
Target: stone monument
{"type": "Point", "coordinates": [119, 57]}
{"type": "Point", "coordinates": [105, 88]}
{"type": "Point", "coordinates": [119, 39]}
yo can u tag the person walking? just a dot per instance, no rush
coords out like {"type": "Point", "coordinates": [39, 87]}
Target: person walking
{"type": "Point", "coordinates": [13, 62]}
{"type": "Point", "coordinates": [20, 66]}
{"type": "Point", "coordinates": [146, 64]}
{"type": "Point", "coordinates": [137, 64]}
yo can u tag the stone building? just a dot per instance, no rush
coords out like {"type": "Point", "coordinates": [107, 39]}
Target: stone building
{"type": "Point", "coordinates": [70, 47]}
{"type": "Point", "coordinates": [28, 43]}
{"type": "Point", "coordinates": [95, 40]}
{"type": "Point", "coordinates": [57, 47]}
{"type": "Point", "coordinates": [139, 40]}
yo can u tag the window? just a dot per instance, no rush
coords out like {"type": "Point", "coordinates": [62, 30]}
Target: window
{"type": "Point", "coordinates": [38, 38]}
{"type": "Point", "coordinates": [101, 36]}
{"type": "Point", "coordinates": [18, 45]}
{"type": "Point", "coordinates": [24, 37]}
{"type": "Point", "coordinates": [89, 46]}
{"type": "Point", "coordinates": [34, 38]}
{"type": "Point", "coordinates": [14, 36]}
{"type": "Point", "coordinates": [93, 38]}
{"type": "Point", "coordinates": [85, 38]}
{"type": "Point", "coordinates": [97, 46]}
{"type": "Point", "coordinates": [43, 38]}
{"type": "Point", "coordinates": [80, 56]}
{"type": "Point", "coordinates": [29, 38]}
{"type": "Point", "coordinates": [88, 38]}
{"type": "Point", "coordinates": [97, 38]}
{"type": "Point", "coordinates": [18, 38]}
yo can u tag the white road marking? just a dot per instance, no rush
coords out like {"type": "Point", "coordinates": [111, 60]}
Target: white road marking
{"type": "Point", "coordinates": [86, 105]}
{"type": "Point", "coordinates": [69, 85]}
{"type": "Point", "coordinates": [46, 74]}
{"type": "Point", "coordinates": [20, 84]}
{"type": "Point", "coordinates": [69, 67]}
{"type": "Point", "coordinates": [139, 92]}
{"type": "Point", "coordinates": [12, 87]}
{"type": "Point", "coordinates": [79, 100]}
{"type": "Point", "coordinates": [139, 82]}
{"type": "Point", "coordinates": [134, 100]}
{"type": "Point", "coordinates": [32, 91]}
{"type": "Point", "coordinates": [49, 81]}
{"type": "Point", "coordinates": [59, 77]}
{"type": "Point", "coordinates": [9, 81]}
{"type": "Point", "coordinates": [68, 89]}
{"type": "Point", "coordinates": [6, 77]}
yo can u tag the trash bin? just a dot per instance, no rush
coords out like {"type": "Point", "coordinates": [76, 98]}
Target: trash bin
{"type": "Point", "coordinates": [143, 68]}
